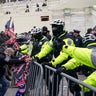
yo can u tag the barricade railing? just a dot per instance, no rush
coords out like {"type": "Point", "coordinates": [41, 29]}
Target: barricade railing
{"type": "Point", "coordinates": [34, 80]}
{"type": "Point", "coordinates": [34, 86]}
{"type": "Point", "coordinates": [62, 87]}
{"type": "Point", "coordinates": [43, 81]}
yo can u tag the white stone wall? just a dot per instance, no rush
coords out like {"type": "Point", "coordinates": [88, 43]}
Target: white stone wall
{"type": "Point", "coordinates": [25, 22]}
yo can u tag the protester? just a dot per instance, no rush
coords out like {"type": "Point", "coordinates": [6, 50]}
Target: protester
{"type": "Point", "coordinates": [6, 59]}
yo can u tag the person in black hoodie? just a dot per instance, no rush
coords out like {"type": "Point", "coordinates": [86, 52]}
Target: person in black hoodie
{"type": "Point", "coordinates": [6, 59]}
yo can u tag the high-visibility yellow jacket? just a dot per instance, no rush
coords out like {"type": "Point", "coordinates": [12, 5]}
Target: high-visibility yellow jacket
{"type": "Point", "coordinates": [82, 56]}
{"type": "Point", "coordinates": [24, 49]}
{"type": "Point", "coordinates": [49, 46]}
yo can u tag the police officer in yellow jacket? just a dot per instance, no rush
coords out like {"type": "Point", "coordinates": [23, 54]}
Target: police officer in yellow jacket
{"type": "Point", "coordinates": [81, 56]}
{"type": "Point", "coordinates": [62, 59]}
{"type": "Point", "coordinates": [37, 41]}
{"type": "Point", "coordinates": [24, 49]}
{"type": "Point", "coordinates": [84, 56]}
{"type": "Point", "coordinates": [55, 45]}
{"type": "Point", "coordinates": [89, 41]}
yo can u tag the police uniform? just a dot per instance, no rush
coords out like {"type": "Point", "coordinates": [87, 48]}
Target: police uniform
{"type": "Point", "coordinates": [55, 44]}
{"type": "Point", "coordinates": [37, 43]}
{"type": "Point", "coordinates": [82, 56]}
{"type": "Point", "coordinates": [78, 38]}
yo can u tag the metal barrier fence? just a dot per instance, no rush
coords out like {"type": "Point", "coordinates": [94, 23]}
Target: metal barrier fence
{"type": "Point", "coordinates": [62, 87]}
{"type": "Point", "coordinates": [35, 80]}
{"type": "Point", "coordinates": [43, 81]}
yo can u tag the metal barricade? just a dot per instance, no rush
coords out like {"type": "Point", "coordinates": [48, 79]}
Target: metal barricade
{"type": "Point", "coordinates": [59, 85]}
{"type": "Point", "coordinates": [34, 86]}
{"type": "Point", "coordinates": [43, 81]}
{"type": "Point", "coordinates": [34, 80]}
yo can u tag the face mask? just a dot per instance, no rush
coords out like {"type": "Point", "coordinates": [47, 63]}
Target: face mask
{"type": "Point", "coordinates": [55, 33]}
{"type": "Point", "coordinates": [57, 30]}
{"type": "Point", "coordinates": [44, 33]}
{"type": "Point", "coordinates": [54, 30]}
{"type": "Point", "coordinates": [37, 36]}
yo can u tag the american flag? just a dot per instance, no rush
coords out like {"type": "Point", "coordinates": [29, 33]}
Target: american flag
{"type": "Point", "coordinates": [9, 31]}
{"type": "Point", "coordinates": [9, 28]}
{"type": "Point", "coordinates": [21, 81]}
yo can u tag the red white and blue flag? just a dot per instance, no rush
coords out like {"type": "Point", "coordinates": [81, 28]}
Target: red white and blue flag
{"type": "Point", "coordinates": [9, 31]}
{"type": "Point", "coordinates": [21, 81]}
{"type": "Point", "coordinates": [9, 28]}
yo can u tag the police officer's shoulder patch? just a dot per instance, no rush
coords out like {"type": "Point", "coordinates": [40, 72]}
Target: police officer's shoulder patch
{"type": "Point", "coordinates": [69, 41]}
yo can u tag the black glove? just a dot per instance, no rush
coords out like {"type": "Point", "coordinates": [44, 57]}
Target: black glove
{"type": "Point", "coordinates": [60, 69]}
{"type": "Point", "coordinates": [36, 59]}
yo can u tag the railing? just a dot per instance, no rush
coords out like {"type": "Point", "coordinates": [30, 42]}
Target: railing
{"type": "Point", "coordinates": [43, 81]}
{"type": "Point", "coordinates": [66, 92]}
{"type": "Point", "coordinates": [35, 80]}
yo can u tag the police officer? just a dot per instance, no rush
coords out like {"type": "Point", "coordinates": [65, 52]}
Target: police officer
{"type": "Point", "coordinates": [46, 32]}
{"type": "Point", "coordinates": [89, 41]}
{"type": "Point", "coordinates": [38, 39]}
{"type": "Point", "coordinates": [63, 58]}
{"type": "Point", "coordinates": [55, 45]}
{"type": "Point", "coordinates": [81, 56]}
{"type": "Point", "coordinates": [78, 38]}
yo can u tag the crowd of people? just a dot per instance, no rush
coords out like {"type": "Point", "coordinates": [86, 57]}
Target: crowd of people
{"type": "Point", "coordinates": [67, 52]}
